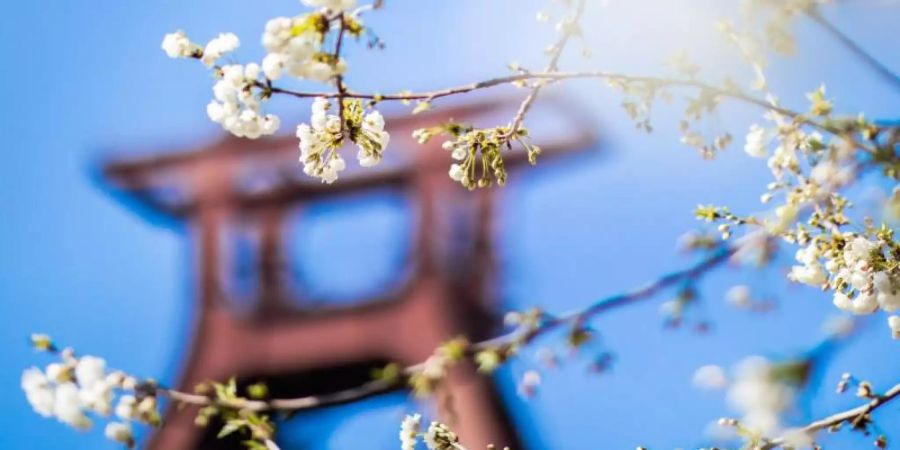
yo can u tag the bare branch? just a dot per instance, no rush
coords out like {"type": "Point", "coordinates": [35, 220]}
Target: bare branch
{"type": "Point", "coordinates": [380, 386]}
{"type": "Point", "coordinates": [882, 70]}
{"type": "Point", "coordinates": [850, 416]}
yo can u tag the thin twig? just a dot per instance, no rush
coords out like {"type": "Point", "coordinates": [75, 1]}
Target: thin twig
{"type": "Point", "coordinates": [339, 77]}
{"type": "Point", "coordinates": [599, 74]}
{"type": "Point", "coordinates": [552, 66]}
{"type": "Point", "coordinates": [855, 48]}
{"type": "Point", "coordinates": [518, 337]}
{"type": "Point", "coordinates": [849, 415]}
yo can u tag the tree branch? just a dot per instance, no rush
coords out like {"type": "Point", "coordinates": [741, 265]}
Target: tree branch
{"type": "Point", "coordinates": [882, 70]}
{"type": "Point", "coordinates": [518, 337]}
{"type": "Point", "coordinates": [339, 78]}
{"type": "Point", "coordinates": [551, 67]}
{"type": "Point", "coordinates": [559, 76]}
{"type": "Point", "coordinates": [850, 415]}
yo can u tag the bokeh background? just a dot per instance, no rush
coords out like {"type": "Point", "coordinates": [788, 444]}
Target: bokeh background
{"type": "Point", "coordinates": [81, 78]}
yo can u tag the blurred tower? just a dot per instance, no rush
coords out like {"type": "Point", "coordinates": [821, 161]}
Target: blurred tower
{"type": "Point", "coordinates": [240, 201]}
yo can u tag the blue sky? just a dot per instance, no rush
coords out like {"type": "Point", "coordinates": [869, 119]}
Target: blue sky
{"type": "Point", "coordinates": [83, 79]}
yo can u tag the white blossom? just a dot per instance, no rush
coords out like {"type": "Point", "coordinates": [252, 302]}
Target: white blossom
{"type": "Point", "coordinates": [531, 379]}
{"type": "Point", "coordinates": [71, 388]}
{"type": "Point", "coordinates": [739, 295]}
{"type": "Point", "coordinates": [97, 396]}
{"type": "Point", "coordinates": [710, 377]}
{"type": "Point", "coordinates": [759, 396]}
{"type": "Point", "coordinates": [888, 291]}
{"type": "Point", "coordinates": [293, 47]}
{"type": "Point", "coordinates": [324, 135]}
{"type": "Point", "coordinates": [126, 408]}
{"type": "Point", "coordinates": [434, 367]}
{"type": "Point", "coordinates": [218, 47]}
{"type": "Point", "coordinates": [811, 271]}
{"type": "Point", "coordinates": [90, 370]}
{"type": "Point", "coordinates": [177, 45]}
{"type": "Point", "coordinates": [119, 432]}
{"type": "Point", "coordinates": [334, 5]}
{"type": "Point", "coordinates": [38, 391]}
{"type": "Point", "coordinates": [456, 172]}
{"type": "Point", "coordinates": [756, 142]}
{"type": "Point", "coordinates": [829, 176]}
{"type": "Point", "coordinates": [439, 437]}
{"type": "Point", "coordinates": [68, 408]}
{"type": "Point", "coordinates": [409, 431]}
{"type": "Point", "coordinates": [235, 106]}
{"type": "Point", "coordinates": [373, 141]}
{"type": "Point", "coordinates": [785, 216]}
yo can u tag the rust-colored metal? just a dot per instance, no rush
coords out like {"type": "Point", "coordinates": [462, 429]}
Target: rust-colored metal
{"type": "Point", "coordinates": [253, 187]}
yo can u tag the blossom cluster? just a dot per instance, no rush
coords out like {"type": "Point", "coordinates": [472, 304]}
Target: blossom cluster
{"type": "Point", "coordinates": [75, 387]}
{"type": "Point", "coordinates": [760, 390]}
{"type": "Point", "coordinates": [478, 153]}
{"type": "Point", "coordinates": [861, 268]}
{"type": "Point", "coordinates": [294, 47]}
{"type": "Point", "coordinates": [236, 107]}
{"type": "Point", "coordinates": [861, 272]}
{"type": "Point", "coordinates": [321, 139]}
{"type": "Point", "coordinates": [437, 437]}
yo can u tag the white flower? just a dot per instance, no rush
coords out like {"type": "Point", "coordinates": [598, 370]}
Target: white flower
{"type": "Point", "coordinates": [859, 249]}
{"type": "Point", "coordinates": [90, 370]}
{"type": "Point", "coordinates": [784, 218]}
{"type": "Point", "coordinates": [38, 391]}
{"type": "Point", "coordinates": [812, 275]}
{"type": "Point", "coordinates": [319, 71]}
{"type": "Point", "coordinates": [409, 431]}
{"type": "Point", "coordinates": [829, 176]}
{"type": "Point", "coordinates": [739, 295]}
{"type": "Point", "coordinates": [319, 116]}
{"type": "Point", "coordinates": [324, 135]}
{"type": "Point", "coordinates": [177, 45]}
{"type": "Point", "coordinates": [865, 303]}
{"type": "Point", "coordinates": [218, 47]}
{"type": "Point", "coordinates": [843, 302]}
{"type": "Point", "coordinates": [811, 272]}
{"type": "Point", "coordinates": [756, 142]}
{"type": "Point", "coordinates": [529, 384]}
{"type": "Point", "coordinates": [888, 291]}
{"type": "Point", "coordinates": [236, 108]}
{"type": "Point", "coordinates": [97, 396]}
{"type": "Point", "coordinates": [67, 406]}
{"type": "Point", "coordinates": [126, 407]}
{"type": "Point", "coordinates": [273, 65]}
{"type": "Point", "coordinates": [295, 54]}
{"type": "Point", "coordinates": [710, 377]}
{"type": "Point", "coordinates": [57, 372]}
{"type": "Point", "coordinates": [251, 71]}
{"type": "Point", "coordinates": [439, 437]}
{"type": "Point", "coordinates": [759, 396]}
{"type": "Point", "coordinates": [334, 5]}
{"type": "Point", "coordinates": [456, 172]}
{"type": "Point", "coordinates": [119, 432]}
{"type": "Point", "coordinates": [894, 323]}
{"type": "Point", "coordinates": [434, 367]}
{"type": "Point", "coordinates": [459, 153]}
{"type": "Point", "coordinates": [373, 141]}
